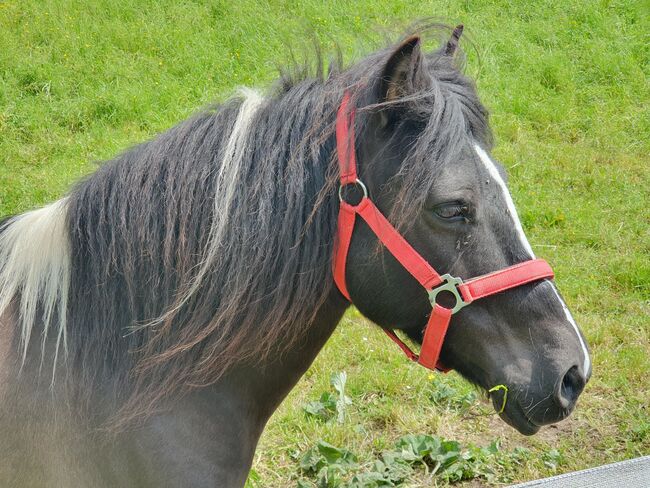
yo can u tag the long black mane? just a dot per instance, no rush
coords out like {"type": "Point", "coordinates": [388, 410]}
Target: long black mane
{"type": "Point", "coordinates": [163, 301]}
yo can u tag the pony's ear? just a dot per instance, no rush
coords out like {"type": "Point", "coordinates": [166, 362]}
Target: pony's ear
{"type": "Point", "coordinates": [452, 43]}
{"type": "Point", "coordinates": [404, 73]}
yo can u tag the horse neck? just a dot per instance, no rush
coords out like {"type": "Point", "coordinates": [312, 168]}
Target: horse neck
{"type": "Point", "coordinates": [268, 382]}
{"type": "Point", "coordinates": [225, 420]}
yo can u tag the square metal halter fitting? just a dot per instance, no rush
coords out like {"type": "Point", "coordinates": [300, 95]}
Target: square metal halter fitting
{"type": "Point", "coordinates": [450, 284]}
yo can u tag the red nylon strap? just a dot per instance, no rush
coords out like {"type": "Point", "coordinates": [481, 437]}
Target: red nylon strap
{"type": "Point", "coordinates": [504, 279]}
{"type": "Point", "coordinates": [434, 336]}
{"type": "Point", "coordinates": [397, 245]}
{"type": "Point", "coordinates": [482, 286]}
{"type": "Point", "coordinates": [345, 141]}
{"type": "Point", "coordinates": [342, 245]}
{"type": "Point", "coordinates": [407, 350]}
{"type": "Point", "coordinates": [387, 234]}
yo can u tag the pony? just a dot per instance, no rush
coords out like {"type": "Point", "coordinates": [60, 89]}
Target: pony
{"type": "Point", "coordinates": [153, 319]}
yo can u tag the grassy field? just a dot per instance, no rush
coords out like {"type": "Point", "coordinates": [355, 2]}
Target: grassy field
{"type": "Point", "coordinates": [567, 84]}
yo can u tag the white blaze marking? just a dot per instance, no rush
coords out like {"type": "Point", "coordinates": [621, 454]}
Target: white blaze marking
{"type": "Point", "coordinates": [586, 363]}
{"type": "Point", "coordinates": [35, 264]}
{"type": "Point", "coordinates": [494, 173]}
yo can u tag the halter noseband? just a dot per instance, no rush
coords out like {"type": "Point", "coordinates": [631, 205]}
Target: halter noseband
{"type": "Point", "coordinates": [464, 292]}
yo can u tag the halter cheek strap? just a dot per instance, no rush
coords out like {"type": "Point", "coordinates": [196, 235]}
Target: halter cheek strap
{"type": "Point", "coordinates": [464, 292]}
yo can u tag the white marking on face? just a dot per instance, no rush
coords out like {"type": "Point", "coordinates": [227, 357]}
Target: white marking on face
{"type": "Point", "coordinates": [494, 173]}
{"type": "Point", "coordinates": [586, 364]}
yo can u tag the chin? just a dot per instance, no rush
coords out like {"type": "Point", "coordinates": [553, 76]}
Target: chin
{"type": "Point", "coordinates": [514, 416]}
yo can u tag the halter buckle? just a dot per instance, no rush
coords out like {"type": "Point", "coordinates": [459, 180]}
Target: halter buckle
{"type": "Point", "coordinates": [450, 284]}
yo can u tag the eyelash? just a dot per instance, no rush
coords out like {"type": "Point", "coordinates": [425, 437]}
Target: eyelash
{"type": "Point", "coordinates": [452, 211]}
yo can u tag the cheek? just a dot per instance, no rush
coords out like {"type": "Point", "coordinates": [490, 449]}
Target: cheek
{"type": "Point", "coordinates": [441, 245]}
{"type": "Point", "coordinates": [380, 287]}
{"type": "Point", "coordinates": [476, 342]}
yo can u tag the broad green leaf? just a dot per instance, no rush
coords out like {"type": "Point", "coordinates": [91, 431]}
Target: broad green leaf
{"type": "Point", "coordinates": [334, 454]}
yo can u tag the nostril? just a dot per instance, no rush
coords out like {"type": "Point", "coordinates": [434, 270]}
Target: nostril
{"type": "Point", "coordinates": [572, 385]}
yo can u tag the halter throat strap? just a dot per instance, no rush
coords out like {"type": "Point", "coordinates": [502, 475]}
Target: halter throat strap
{"type": "Point", "coordinates": [465, 292]}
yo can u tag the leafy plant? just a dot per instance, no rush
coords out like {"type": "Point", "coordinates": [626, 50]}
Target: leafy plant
{"type": "Point", "coordinates": [330, 404]}
{"type": "Point", "coordinates": [338, 381]}
{"type": "Point", "coordinates": [328, 463]}
{"type": "Point", "coordinates": [333, 467]}
{"type": "Point", "coordinates": [393, 469]}
{"type": "Point", "coordinates": [323, 408]}
{"type": "Point", "coordinates": [452, 396]}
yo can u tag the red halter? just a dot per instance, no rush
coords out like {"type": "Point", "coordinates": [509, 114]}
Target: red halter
{"type": "Point", "coordinates": [464, 292]}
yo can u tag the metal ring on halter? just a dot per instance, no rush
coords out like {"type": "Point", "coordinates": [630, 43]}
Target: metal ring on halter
{"type": "Point", "coordinates": [356, 182]}
{"type": "Point", "coordinates": [451, 284]}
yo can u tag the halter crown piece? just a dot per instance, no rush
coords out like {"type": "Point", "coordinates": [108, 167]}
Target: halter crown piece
{"type": "Point", "coordinates": [465, 292]}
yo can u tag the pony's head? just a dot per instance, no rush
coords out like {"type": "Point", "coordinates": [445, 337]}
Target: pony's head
{"type": "Point", "coordinates": [423, 147]}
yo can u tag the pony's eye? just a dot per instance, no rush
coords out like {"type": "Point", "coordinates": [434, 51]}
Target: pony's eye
{"type": "Point", "coordinates": [452, 211]}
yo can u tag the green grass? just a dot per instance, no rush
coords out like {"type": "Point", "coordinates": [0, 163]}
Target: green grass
{"type": "Point", "coordinates": [567, 83]}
